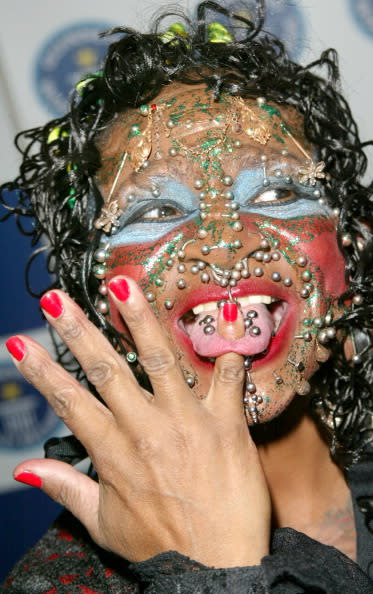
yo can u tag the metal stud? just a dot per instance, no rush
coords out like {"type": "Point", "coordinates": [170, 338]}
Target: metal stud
{"type": "Point", "coordinates": [258, 271]}
{"type": "Point", "coordinates": [276, 276]}
{"type": "Point", "coordinates": [287, 282]}
{"type": "Point", "coordinates": [252, 314]}
{"type": "Point", "coordinates": [301, 261]}
{"type": "Point", "coordinates": [150, 297]}
{"type": "Point", "coordinates": [168, 304]}
{"type": "Point", "coordinates": [205, 250]}
{"type": "Point", "coordinates": [181, 284]}
{"type": "Point", "coordinates": [190, 380]}
{"type": "Point", "coordinates": [255, 331]}
{"type": "Point", "coordinates": [276, 256]}
{"type": "Point", "coordinates": [209, 329]}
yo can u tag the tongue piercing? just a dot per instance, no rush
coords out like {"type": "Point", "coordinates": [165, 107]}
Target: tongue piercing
{"type": "Point", "coordinates": [299, 365]}
{"type": "Point", "coordinates": [209, 329]}
{"type": "Point", "coordinates": [255, 331]}
{"type": "Point", "coordinates": [247, 323]}
{"type": "Point", "coordinates": [252, 314]}
{"type": "Point", "coordinates": [207, 320]}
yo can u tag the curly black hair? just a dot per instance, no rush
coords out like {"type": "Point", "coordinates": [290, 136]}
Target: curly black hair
{"type": "Point", "coordinates": [56, 185]}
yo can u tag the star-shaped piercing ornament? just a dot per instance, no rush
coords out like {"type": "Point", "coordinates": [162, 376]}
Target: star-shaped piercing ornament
{"type": "Point", "coordinates": [311, 173]}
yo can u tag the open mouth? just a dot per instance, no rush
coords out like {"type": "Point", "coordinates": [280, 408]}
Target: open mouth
{"type": "Point", "coordinates": [263, 318]}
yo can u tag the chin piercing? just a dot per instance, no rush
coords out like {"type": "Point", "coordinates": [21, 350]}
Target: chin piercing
{"type": "Point", "coordinates": [326, 334]}
{"type": "Point", "coordinates": [190, 380]}
{"type": "Point", "coordinates": [278, 379]}
{"type": "Point", "coordinates": [131, 357]}
{"type": "Point", "coordinates": [306, 336]}
{"type": "Point", "coordinates": [299, 365]}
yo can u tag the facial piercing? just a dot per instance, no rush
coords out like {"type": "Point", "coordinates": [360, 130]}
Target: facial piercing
{"type": "Point", "coordinates": [150, 297]}
{"type": "Point", "coordinates": [190, 380]}
{"type": "Point", "coordinates": [168, 304]}
{"type": "Point", "coordinates": [358, 300]}
{"type": "Point", "coordinates": [322, 354]}
{"type": "Point", "coordinates": [278, 379]}
{"type": "Point", "coordinates": [299, 365]}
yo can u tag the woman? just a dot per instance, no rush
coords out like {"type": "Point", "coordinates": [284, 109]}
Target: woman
{"type": "Point", "coordinates": [203, 206]}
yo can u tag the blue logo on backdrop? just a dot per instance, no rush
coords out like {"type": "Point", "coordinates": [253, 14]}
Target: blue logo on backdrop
{"type": "Point", "coordinates": [283, 18]}
{"type": "Point", "coordinates": [363, 14]}
{"type": "Point", "coordinates": [65, 58]}
{"type": "Point", "coordinates": [25, 416]}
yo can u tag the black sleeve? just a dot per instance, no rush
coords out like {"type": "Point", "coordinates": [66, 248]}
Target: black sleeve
{"type": "Point", "coordinates": [297, 565]}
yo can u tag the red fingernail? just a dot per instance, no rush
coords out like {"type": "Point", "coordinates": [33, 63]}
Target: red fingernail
{"type": "Point", "coordinates": [16, 347]}
{"type": "Point", "coordinates": [52, 304]}
{"type": "Point", "coordinates": [120, 288]}
{"type": "Point", "coordinates": [29, 478]}
{"type": "Point", "coordinates": [230, 312]}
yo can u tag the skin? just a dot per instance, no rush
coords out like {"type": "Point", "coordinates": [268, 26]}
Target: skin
{"type": "Point", "coordinates": [188, 451]}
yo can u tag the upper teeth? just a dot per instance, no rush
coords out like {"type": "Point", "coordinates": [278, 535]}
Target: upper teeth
{"type": "Point", "coordinates": [266, 299]}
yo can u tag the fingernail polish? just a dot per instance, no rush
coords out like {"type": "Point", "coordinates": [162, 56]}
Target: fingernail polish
{"type": "Point", "coordinates": [29, 478]}
{"type": "Point", "coordinates": [52, 304]}
{"type": "Point", "coordinates": [230, 312]}
{"type": "Point", "coordinates": [120, 288]}
{"type": "Point", "coordinates": [16, 347]}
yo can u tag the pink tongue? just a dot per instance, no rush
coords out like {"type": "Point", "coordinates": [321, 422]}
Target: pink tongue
{"type": "Point", "coordinates": [213, 345]}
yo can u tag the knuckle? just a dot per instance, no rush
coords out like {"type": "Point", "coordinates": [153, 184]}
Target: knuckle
{"type": "Point", "coordinates": [71, 330]}
{"type": "Point", "coordinates": [228, 373]}
{"type": "Point", "coordinates": [62, 401]}
{"type": "Point", "coordinates": [101, 372]}
{"type": "Point", "coordinates": [137, 319]}
{"type": "Point", "coordinates": [146, 446]}
{"type": "Point", "coordinates": [158, 363]}
{"type": "Point", "coordinates": [37, 370]}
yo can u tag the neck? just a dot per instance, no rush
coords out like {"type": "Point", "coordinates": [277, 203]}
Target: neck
{"type": "Point", "coordinates": [308, 490]}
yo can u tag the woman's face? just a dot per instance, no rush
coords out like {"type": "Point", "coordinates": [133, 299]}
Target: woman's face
{"type": "Point", "coordinates": [220, 201]}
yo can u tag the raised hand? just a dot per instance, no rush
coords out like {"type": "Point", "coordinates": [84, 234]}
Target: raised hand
{"type": "Point", "coordinates": [175, 472]}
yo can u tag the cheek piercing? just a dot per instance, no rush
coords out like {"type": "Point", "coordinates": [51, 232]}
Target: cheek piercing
{"type": "Point", "coordinates": [278, 379]}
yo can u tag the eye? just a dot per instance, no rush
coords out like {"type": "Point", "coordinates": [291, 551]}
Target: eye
{"type": "Point", "coordinates": [162, 211]}
{"type": "Point", "coordinates": [275, 195]}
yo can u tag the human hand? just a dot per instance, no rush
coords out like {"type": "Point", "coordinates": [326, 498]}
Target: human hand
{"type": "Point", "coordinates": [175, 472]}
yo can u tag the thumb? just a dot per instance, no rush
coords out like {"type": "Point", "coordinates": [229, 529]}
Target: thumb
{"type": "Point", "coordinates": [65, 485]}
{"type": "Point", "coordinates": [226, 393]}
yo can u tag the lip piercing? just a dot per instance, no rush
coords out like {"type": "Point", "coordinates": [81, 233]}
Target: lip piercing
{"type": "Point", "coordinates": [276, 276]}
{"type": "Point", "coordinates": [258, 271]}
{"type": "Point", "coordinates": [276, 256]}
{"type": "Point", "coordinates": [264, 244]}
{"type": "Point", "coordinates": [168, 304]}
{"type": "Point", "coordinates": [181, 284]}
{"type": "Point", "coordinates": [287, 282]}
{"type": "Point", "coordinates": [299, 365]}
{"type": "Point", "coordinates": [205, 277]}
{"type": "Point", "coordinates": [247, 363]}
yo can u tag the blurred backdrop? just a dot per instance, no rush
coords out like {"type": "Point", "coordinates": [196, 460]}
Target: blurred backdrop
{"type": "Point", "coordinates": [45, 47]}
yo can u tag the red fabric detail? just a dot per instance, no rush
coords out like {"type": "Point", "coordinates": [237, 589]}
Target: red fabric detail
{"type": "Point", "coordinates": [86, 590]}
{"type": "Point", "coordinates": [78, 554]}
{"type": "Point", "coordinates": [153, 106]}
{"type": "Point", "coordinates": [89, 572]}
{"type": "Point", "coordinates": [108, 572]}
{"type": "Point", "coordinates": [65, 534]}
{"type": "Point", "coordinates": [68, 579]}
{"type": "Point", "coordinates": [54, 556]}
{"type": "Point", "coordinates": [52, 591]}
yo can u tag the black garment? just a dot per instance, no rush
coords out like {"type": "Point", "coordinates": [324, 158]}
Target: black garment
{"type": "Point", "coordinates": [66, 561]}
